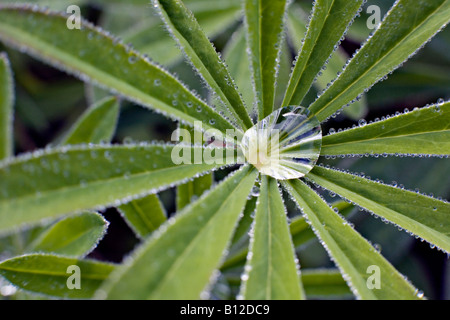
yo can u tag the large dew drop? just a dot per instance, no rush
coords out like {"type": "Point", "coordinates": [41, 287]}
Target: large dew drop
{"type": "Point", "coordinates": [284, 145]}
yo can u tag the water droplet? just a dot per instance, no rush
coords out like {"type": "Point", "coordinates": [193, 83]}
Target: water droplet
{"type": "Point", "coordinates": [157, 82]}
{"type": "Point", "coordinates": [284, 145]}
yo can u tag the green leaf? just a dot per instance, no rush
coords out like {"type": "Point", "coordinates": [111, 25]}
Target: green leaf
{"type": "Point", "coordinates": [329, 22]}
{"type": "Point", "coordinates": [271, 269]}
{"type": "Point", "coordinates": [178, 262]}
{"type": "Point", "coordinates": [324, 283]}
{"type": "Point", "coordinates": [189, 192]}
{"type": "Point", "coordinates": [300, 230]}
{"type": "Point", "coordinates": [297, 29]}
{"type": "Point", "coordinates": [408, 25]}
{"type": "Point", "coordinates": [192, 190]}
{"type": "Point", "coordinates": [47, 274]}
{"type": "Point", "coordinates": [349, 250]}
{"type": "Point", "coordinates": [264, 27]}
{"type": "Point", "coordinates": [46, 36]}
{"type": "Point", "coordinates": [96, 125]}
{"type": "Point", "coordinates": [144, 215]}
{"type": "Point", "coordinates": [150, 38]}
{"type": "Point", "coordinates": [67, 179]}
{"type": "Point", "coordinates": [422, 131]}
{"type": "Point", "coordinates": [234, 54]}
{"type": "Point", "coordinates": [73, 236]}
{"type": "Point", "coordinates": [419, 214]}
{"type": "Point", "coordinates": [6, 108]}
{"type": "Point", "coordinates": [203, 56]}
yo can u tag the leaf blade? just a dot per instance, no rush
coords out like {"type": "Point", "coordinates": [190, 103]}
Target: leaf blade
{"type": "Point", "coordinates": [170, 276]}
{"type": "Point", "coordinates": [144, 215]}
{"type": "Point", "coordinates": [6, 108]}
{"type": "Point", "coordinates": [268, 278]}
{"type": "Point", "coordinates": [419, 214]}
{"type": "Point", "coordinates": [36, 186]}
{"type": "Point", "coordinates": [73, 236]}
{"type": "Point", "coordinates": [186, 30]}
{"type": "Point", "coordinates": [96, 125]}
{"type": "Point", "coordinates": [123, 70]}
{"type": "Point", "coordinates": [327, 26]}
{"type": "Point", "coordinates": [47, 274]}
{"type": "Point", "coordinates": [401, 33]}
{"type": "Point", "coordinates": [422, 131]}
{"type": "Point", "coordinates": [351, 252]}
{"type": "Point", "coordinates": [264, 17]}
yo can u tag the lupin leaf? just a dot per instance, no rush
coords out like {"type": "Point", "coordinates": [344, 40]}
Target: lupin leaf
{"type": "Point", "coordinates": [204, 57]}
{"type": "Point", "coordinates": [422, 215]}
{"type": "Point", "coordinates": [297, 29]}
{"type": "Point", "coordinates": [350, 251]}
{"type": "Point", "coordinates": [73, 236]}
{"type": "Point", "coordinates": [194, 240]}
{"type": "Point", "coordinates": [96, 125]}
{"type": "Point", "coordinates": [6, 108]}
{"type": "Point", "coordinates": [422, 131]}
{"type": "Point", "coordinates": [407, 26]}
{"type": "Point", "coordinates": [48, 275]}
{"type": "Point", "coordinates": [329, 22]}
{"type": "Point", "coordinates": [240, 68]}
{"type": "Point", "coordinates": [266, 278]}
{"type": "Point", "coordinates": [144, 215]}
{"type": "Point", "coordinates": [67, 179]}
{"type": "Point", "coordinates": [46, 36]}
{"type": "Point", "coordinates": [264, 27]}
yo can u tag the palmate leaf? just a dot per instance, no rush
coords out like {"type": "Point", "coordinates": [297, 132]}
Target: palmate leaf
{"type": "Point", "coordinates": [47, 274]}
{"type": "Point", "coordinates": [67, 179]}
{"type": "Point", "coordinates": [422, 131]}
{"type": "Point", "coordinates": [351, 252]}
{"type": "Point", "coordinates": [122, 70]}
{"type": "Point", "coordinates": [96, 125]}
{"type": "Point", "coordinates": [407, 26]}
{"type": "Point", "coordinates": [329, 22]}
{"type": "Point", "coordinates": [74, 236]}
{"type": "Point", "coordinates": [271, 272]}
{"type": "Point", "coordinates": [264, 29]}
{"type": "Point", "coordinates": [195, 240]}
{"type": "Point", "coordinates": [186, 30]}
{"type": "Point", "coordinates": [6, 108]}
{"type": "Point", "coordinates": [419, 214]}
{"type": "Point", "coordinates": [144, 215]}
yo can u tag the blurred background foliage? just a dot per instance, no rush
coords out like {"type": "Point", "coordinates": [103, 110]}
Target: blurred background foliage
{"type": "Point", "coordinates": [48, 102]}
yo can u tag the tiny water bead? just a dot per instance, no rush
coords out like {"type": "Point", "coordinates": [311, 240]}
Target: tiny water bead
{"type": "Point", "coordinates": [285, 145]}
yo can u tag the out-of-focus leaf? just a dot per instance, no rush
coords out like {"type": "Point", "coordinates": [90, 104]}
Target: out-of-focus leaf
{"type": "Point", "coordinates": [47, 274]}
{"type": "Point", "coordinates": [6, 108]}
{"type": "Point", "coordinates": [144, 215]}
{"type": "Point", "coordinates": [73, 236]}
{"type": "Point", "coordinates": [96, 125]}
